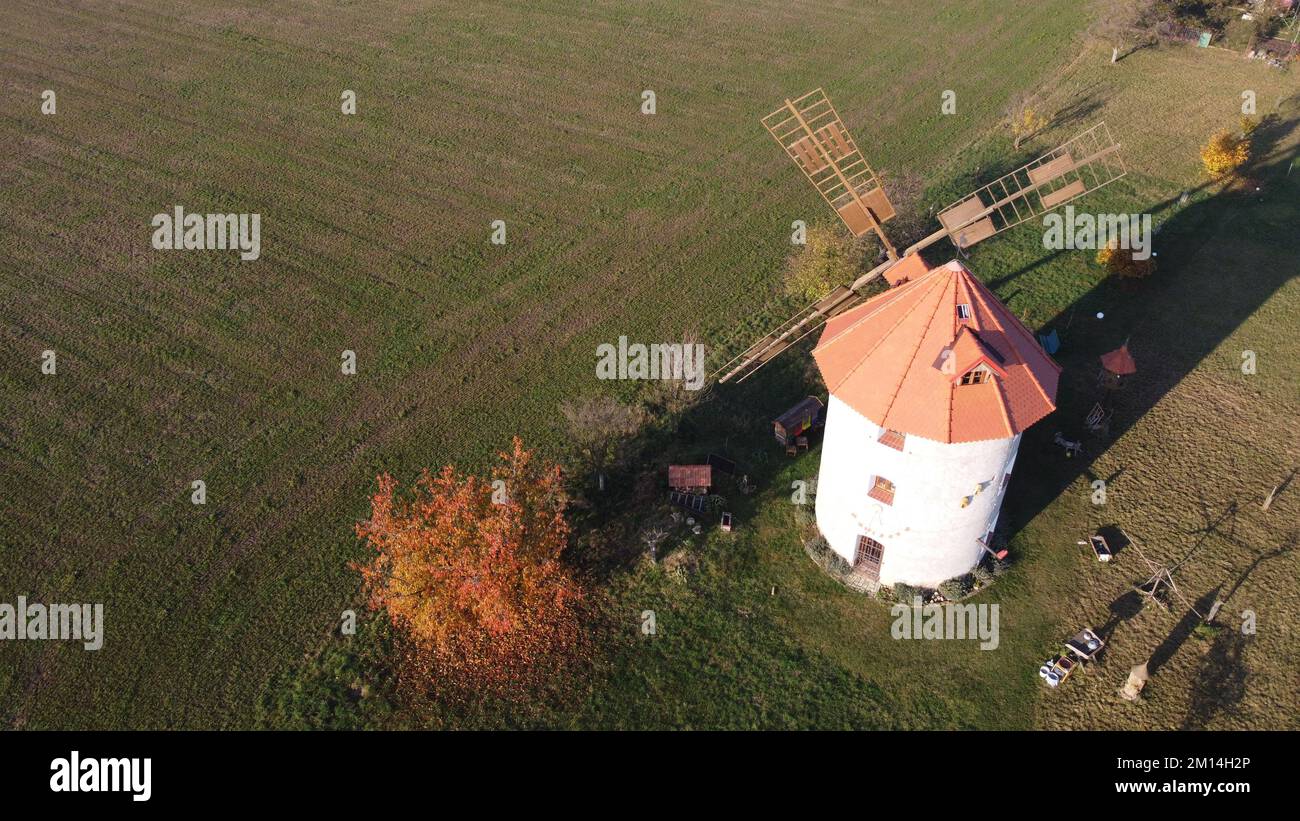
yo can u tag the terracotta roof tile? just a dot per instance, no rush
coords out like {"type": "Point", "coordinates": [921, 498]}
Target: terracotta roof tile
{"type": "Point", "coordinates": [898, 359]}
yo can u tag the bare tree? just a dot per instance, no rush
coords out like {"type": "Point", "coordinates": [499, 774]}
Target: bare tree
{"type": "Point", "coordinates": [906, 188]}
{"type": "Point", "coordinates": [602, 427]}
{"type": "Point", "coordinates": [1126, 26]}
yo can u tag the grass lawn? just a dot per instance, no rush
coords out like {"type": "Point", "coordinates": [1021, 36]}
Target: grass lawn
{"type": "Point", "coordinates": [751, 634]}
{"type": "Point", "coordinates": [174, 367]}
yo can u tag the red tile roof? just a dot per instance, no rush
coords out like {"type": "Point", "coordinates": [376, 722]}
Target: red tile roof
{"type": "Point", "coordinates": [907, 268]}
{"type": "Point", "coordinates": [690, 475]}
{"type": "Point", "coordinates": [898, 359]}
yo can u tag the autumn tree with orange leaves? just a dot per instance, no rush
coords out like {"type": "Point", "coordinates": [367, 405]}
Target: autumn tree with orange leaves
{"type": "Point", "coordinates": [469, 572]}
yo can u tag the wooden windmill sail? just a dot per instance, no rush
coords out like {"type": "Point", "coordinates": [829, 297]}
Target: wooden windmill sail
{"type": "Point", "coordinates": [816, 139]}
{"type": "Point", "coordinates": [812, 133]}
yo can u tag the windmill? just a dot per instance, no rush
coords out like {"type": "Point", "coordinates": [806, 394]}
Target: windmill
{"type": "Point", "coordinates": [811, 132]}
{"type": "Point", "coordinates": [932, 383]}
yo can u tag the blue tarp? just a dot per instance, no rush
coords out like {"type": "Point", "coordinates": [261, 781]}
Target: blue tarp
{"type": "Point", "coordinates": [1050, 341]}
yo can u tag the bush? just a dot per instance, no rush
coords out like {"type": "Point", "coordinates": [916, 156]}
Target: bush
{"type": "Point", "coordinates": [905, 593]}
{"type": "Point", "coordinates": [830, 258]}
{"type": "Point", "coordinates": [1206, 631]}
{"type": "Point", "coordinates": [1224, 154]}
{"type": "Point", "coordinates": [981, 576]}
{"type": "Point", "coordinates": [955, 588]}
{"type": "Point", "coordinates": [820, 551]}
{"type": "Point", "coordinates": [803, 517]}
{"type": "Point", "coordinates": [1121, 262]}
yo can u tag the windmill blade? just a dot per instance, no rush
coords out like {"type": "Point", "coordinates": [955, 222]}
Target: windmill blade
{"type": "Point", "coordinates": [814, 136]}
{"type": "Point", "coordinates": [1084, 164]}
{"type": "Point", "coordinates": [797, 327]}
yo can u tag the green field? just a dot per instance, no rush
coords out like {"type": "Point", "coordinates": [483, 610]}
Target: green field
{"type": "Point", "coordinates": [375, 235]}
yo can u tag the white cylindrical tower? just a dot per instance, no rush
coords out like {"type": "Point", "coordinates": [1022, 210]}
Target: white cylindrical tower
{"type": "Point", "coordinates": [930, 386]}
{"type": "Point", "coordinates": [945, 498]}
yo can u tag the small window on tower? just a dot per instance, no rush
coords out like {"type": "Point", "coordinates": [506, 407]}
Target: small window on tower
{"type": "Point", "coordinates": [892, 438]}
{"type": "Point", "coordinates": [963, 311]}
{"type": "Point", "coordinates": [868, 556]}
{"type": "Point", "coordinates": [977, 376]}
{"type": "Point", "coordinates": [882, 490]}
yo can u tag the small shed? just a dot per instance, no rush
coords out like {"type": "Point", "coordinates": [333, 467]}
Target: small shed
{"type": "Point", "coordinates": [808, 414]}
{"type": "Point", "coordinates": [690, 477]}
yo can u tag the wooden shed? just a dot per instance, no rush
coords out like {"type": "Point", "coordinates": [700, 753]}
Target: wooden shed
{"type": "Point", "coordinates": [808, 414]}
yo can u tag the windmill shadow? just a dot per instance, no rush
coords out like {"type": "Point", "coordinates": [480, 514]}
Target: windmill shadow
{"type": "Point", "coordinates": [1181, 315]}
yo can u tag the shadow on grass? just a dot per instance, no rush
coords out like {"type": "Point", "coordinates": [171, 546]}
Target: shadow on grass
{"type": "Point", "coordinates": [1170, 322]}
{"type": "Point", "coordinates": [1220, 683]}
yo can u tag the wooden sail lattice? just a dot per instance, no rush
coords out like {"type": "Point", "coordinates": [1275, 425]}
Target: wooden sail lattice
{"type": "Point", "coordinates": [1161, 579]}
{"type": "Point", "coordinates": [797, 327]}
{"type": "Point", "coordinates": [1084, 164]}
{"type": "Point", "coordinates": [812, 134]}
{"type": "Point", "coordinates": [816, 139]}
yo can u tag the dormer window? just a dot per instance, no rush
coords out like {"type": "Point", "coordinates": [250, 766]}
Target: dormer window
{"type": "Point", "coordinates": [963, 312]}
{"type": "Point", "coordinates": [976, 376]}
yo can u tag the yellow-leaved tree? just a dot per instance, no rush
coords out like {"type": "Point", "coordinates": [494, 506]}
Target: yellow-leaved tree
{"type": "Point", "coordinates": [1120, 261]}
{"type": "Point", "coordinates": [1225, 154]}
{"type": "Point", "coordinates": [828, 258]}
{"type": "Point", "coordinates": [1024, 118]}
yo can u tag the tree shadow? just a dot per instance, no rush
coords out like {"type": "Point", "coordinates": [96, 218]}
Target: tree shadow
{"type": "Point", "coordinates": [1220, 683]}
{"type": "Point", "coordinates": [1079, 110]}
{"type": "Point", "coordinates": [1291, 541]}
{"type": "Point", "coordinates": [1181, 632]}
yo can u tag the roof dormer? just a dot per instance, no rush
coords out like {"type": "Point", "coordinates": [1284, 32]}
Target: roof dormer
{"type": "Point", "coordinates": [977, 375]}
